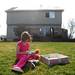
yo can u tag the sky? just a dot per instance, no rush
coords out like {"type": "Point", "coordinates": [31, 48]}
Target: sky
{"type": "Point", "coordinates": [67, 5]}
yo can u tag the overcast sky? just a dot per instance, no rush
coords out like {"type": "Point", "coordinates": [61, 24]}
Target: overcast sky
{"type": "Point", "coordinates": [67, 5]}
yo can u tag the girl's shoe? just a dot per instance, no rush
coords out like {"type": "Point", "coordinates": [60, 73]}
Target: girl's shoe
{"type": "Point", "coordinates": [32, 65]}
{"type": "Point", "coordinates": [18, 69]}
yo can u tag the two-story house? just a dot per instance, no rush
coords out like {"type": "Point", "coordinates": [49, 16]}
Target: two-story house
{"type": "Point", "coordinates": [39, 22]}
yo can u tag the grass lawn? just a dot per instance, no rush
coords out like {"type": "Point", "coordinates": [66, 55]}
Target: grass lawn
{"type": "Point", "coordinates": [7, 58]}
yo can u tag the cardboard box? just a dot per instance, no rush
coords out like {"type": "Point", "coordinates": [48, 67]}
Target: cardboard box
{"type": "Point", "coordinates": [55, 58]}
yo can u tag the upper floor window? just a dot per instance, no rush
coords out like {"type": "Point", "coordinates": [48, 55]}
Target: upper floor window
{"type": "Point", "coordinates": [50, 14]}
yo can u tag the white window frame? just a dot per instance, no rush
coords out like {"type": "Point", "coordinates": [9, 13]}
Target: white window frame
{"type": "Point", "coordinates": [52, 14]}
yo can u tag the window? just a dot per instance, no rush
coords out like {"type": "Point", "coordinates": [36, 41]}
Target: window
{"type": "Point", "coordinates": [50, 14]}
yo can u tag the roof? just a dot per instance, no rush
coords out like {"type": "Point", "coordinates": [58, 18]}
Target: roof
{"type": "Point", "coordinates": [33, 9]}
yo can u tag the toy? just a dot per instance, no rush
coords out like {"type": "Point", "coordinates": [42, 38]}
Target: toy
{"type": "Point", "coordinates": [55, 58]}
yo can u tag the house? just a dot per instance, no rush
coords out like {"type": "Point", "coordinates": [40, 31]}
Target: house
{"type": "Point", "coordinates": [39, 22]}
{"type": "Point", "coordinates": [2, 37]}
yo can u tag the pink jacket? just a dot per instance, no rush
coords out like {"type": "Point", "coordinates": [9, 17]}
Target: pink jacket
{"type": "Point", "coordinates": [22, 48]}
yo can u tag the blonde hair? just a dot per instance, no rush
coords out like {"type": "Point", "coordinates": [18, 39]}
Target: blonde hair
{"type": "Point", "coordinates": [25, 36]}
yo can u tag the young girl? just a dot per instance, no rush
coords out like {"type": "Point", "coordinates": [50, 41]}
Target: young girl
{"type": "Point", "coordinates": [22, 52]}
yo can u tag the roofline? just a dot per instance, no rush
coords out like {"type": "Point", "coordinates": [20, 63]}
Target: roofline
{"type": "Point", "coordinates": [34, 10]}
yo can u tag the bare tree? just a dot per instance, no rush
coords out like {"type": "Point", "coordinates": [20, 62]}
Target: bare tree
{"type": "Point", "coordinates": [71, 25]}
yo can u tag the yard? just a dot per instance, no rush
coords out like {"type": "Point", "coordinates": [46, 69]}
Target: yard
{"type": "Point", "coordinates": [7, 58]}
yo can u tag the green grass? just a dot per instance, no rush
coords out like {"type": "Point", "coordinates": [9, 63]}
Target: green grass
{"type": "Point", "coordinates": [7, 58]}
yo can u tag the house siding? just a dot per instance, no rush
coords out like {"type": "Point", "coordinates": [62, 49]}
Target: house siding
{"type": "Point", "coordinates": [33, 17]}
{"type": "Point", "coordinates": [10, 32]}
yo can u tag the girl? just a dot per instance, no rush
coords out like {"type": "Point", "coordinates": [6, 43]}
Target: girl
{"type": "Point", "coordinates": [22, 52]}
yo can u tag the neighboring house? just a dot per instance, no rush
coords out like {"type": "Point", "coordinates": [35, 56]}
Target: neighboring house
{"type": "Point", "coordinates": [3, 37]}
{"type": "Point", "coordinates": [39, 22]}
